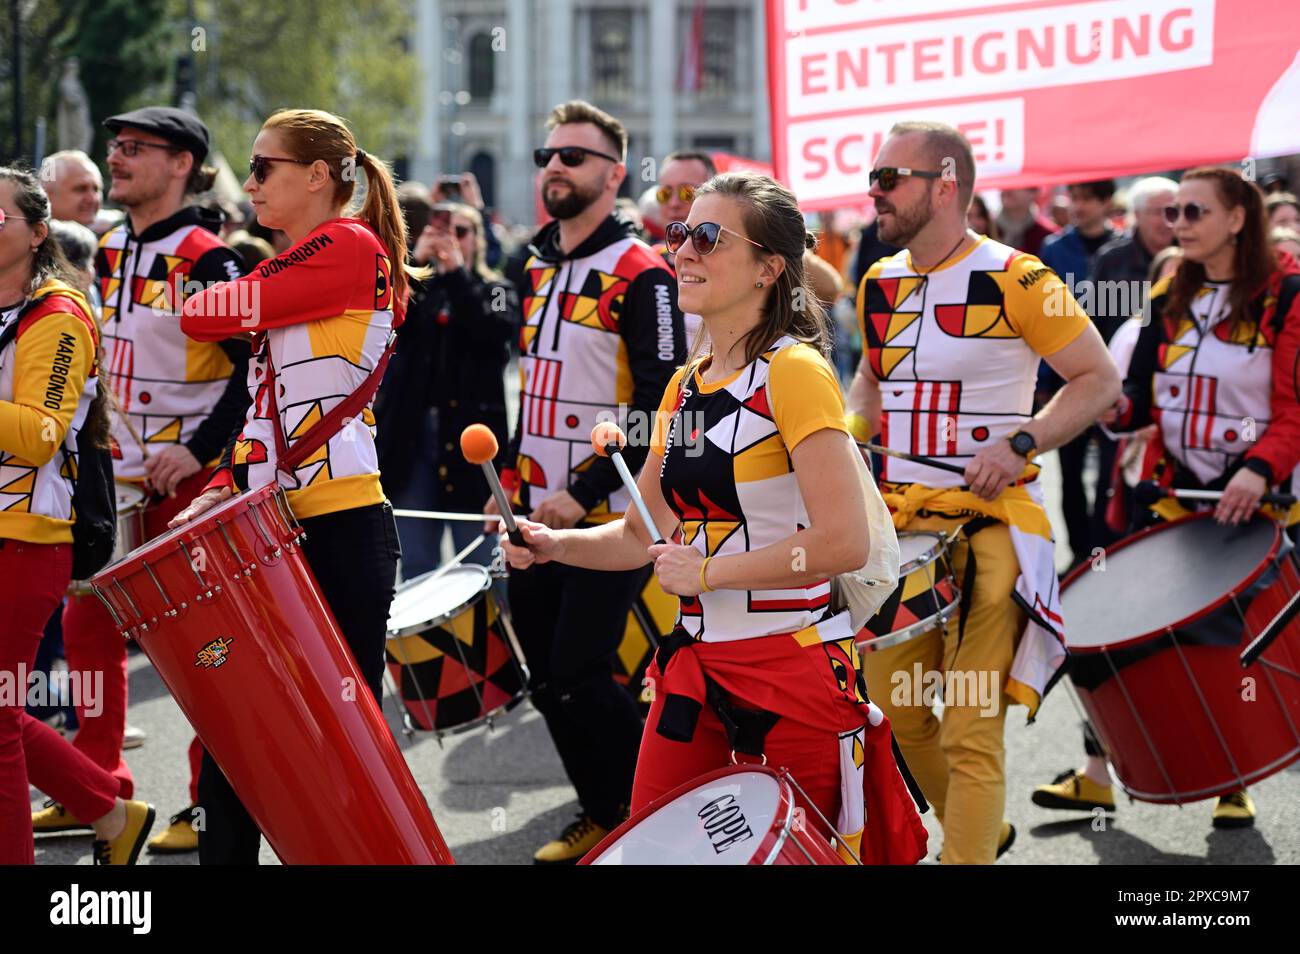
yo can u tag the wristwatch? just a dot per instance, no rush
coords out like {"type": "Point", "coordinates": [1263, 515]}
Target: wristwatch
{"type": "Point", "coordinates": [1023, 443]}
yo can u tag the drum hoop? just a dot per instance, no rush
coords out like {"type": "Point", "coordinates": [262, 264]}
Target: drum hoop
{"type": "Point", "coordinates": [138, 505]}
{"type": "Point", "coordinates": [667, 798]}
{"type": "Point", "coordinates": [416, 628]}
{"type": "Point", "coordinates": [940, 549]}
{"type": "Point", "coordinates": [911, 631]}
{"type": "Point", "coordinates": [1274, 549]}
{"type": "Point", "coordinates": [786, 791]}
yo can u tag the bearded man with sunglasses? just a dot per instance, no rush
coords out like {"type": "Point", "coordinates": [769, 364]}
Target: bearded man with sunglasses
{"type": "Point", "coordinates": [601, 337]}
{"type": "Point", "coordinates": [179, 400]}
{"type": "Point", "coordinates": [953, 330]}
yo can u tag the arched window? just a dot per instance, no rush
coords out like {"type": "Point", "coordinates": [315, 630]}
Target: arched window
{"type": "Point", "coordinates": [482, 68]}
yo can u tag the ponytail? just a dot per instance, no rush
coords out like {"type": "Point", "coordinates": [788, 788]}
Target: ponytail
{"type": "Point", "coordinates": [312, 134]}
{"type": "Point", "coordinates": [382, 212]}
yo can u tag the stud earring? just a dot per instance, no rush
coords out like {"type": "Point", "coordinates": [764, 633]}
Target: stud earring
{"type": "Point", "coordinates": [758, 284]}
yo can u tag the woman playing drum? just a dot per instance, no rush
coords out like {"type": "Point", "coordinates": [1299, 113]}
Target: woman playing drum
{"type": "Point", "coordinates": [48, 384]}
{"type": "Point", "coordinates": [1215, 369]}
{"type": "Point", "coordinates": [321, 315]}
{"type": "Point", "coordinates": [752, 471]}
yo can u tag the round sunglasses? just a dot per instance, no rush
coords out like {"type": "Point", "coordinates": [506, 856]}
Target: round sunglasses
{"type": "Point", "coordinates": [686, 193]}
{"type": "Point", "coordinates": [569, 155]}
{"type": "Point", "coordinates": [11, 217]}
{"type": "Point", "coordinates": [704, 237]}
{"type": "Point", "coordinates": [1192, 212]}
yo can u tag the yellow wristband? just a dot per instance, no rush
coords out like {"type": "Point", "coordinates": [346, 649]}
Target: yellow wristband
{"type": "Point", "coordinates": [858, 426]}
{"type": "Point", "coordinates": [704, 584]}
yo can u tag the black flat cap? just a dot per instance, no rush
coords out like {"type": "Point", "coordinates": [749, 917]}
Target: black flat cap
{"type": "Point", "coordinates": [175, 125]}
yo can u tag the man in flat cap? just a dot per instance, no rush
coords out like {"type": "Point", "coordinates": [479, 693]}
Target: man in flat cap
{"type": "Point", "coordinates": [179, 400]}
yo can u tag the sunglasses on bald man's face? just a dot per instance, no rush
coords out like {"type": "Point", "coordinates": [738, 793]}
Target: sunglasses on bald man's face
{"type": "Point", "coordinates": [887, 176]}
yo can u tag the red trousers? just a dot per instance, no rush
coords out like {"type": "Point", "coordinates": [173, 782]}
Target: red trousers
{"type": "Point", "coordinates": [33, 579]}
{"type": "Point", "coordinates": [93, 644]}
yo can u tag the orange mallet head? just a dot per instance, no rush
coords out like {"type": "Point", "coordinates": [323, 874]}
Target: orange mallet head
{"type": "Point", "coordinates": [478, 444]}
{"type": "Point", "coordinates": [605, 435]}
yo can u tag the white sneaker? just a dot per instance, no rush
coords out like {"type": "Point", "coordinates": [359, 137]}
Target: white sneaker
{"type": "Point", "coordinates": [133, 738]}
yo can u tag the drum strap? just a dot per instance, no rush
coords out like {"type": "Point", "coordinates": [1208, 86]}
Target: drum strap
{"type": "Point", "coordinates": [969, 529]}
{"type": "Point", "coordinates": [288, 460]}
{"type": "Point", "coordinates": [746, 729]}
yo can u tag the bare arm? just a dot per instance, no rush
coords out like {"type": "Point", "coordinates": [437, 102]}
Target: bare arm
{"type": "Point", "coordinates": [864, 397]}
{"type": "Point", "coordinates": [1092, 384]}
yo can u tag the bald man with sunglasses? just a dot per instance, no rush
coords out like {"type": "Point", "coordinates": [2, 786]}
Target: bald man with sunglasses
{"type": "Point", "coordinates": [953, 330]}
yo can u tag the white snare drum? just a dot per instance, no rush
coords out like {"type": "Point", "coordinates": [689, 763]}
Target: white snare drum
{"type": "Point", "coordinates": [739, 815]}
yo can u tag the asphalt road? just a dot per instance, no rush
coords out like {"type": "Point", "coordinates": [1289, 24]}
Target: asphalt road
{"type": "Point", "coordinates": [497, 795]}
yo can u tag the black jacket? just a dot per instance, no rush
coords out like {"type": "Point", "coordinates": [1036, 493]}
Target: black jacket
{"type": "Point", "coordinates": [451, 354]}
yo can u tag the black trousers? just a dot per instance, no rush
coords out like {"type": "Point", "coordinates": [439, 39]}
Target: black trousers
{"type": "Point", "coordinates": [353, 555]}
{"type": "Point", "coordinates": [569, 622]}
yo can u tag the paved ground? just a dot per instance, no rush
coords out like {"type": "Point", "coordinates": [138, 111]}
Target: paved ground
{"type": "Point", "coordinates": [498, 795]}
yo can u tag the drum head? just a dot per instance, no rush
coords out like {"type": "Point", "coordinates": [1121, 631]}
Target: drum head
{"type": "Point", "coordinates": [1162, 578]}
{"type": "Point", "coordinates": [918, 549]}
{"type": "Point", "coordinates": [129, 497]}
{"type": "Point", "coordinates": [425, 600]}
{"type": "Point", "coordinates": [722, 820]}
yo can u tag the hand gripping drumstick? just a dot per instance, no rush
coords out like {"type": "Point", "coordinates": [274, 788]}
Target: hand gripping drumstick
{"type": "Point", "coordinates": [1148, 492]}
{"type": "Point", "coordinates": [607, 440]}
{"type": "Point", "coordinates": [479, 445]}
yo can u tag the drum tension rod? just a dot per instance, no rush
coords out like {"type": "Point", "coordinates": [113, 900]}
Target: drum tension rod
{"type": "Point", "coordinates": [276, 551]}
{"type": "Point", "coordinates": [246, 569]}
{"type": "Point", "coordinates": [204, 588]}
{"type": "Point", "coordinates": [167, 600]}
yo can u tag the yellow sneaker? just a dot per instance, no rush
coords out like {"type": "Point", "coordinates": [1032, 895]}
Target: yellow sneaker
{"type": "Point", "coordinates": [125, 848]}
{"type": "Point", "coordinates": [1235, 811]}
{"type": "Point", "coordinates": [1073, 790]}
{"type": "Point", "coordinates": [576, 840]}
{"type": "Point", "coordinates": [55, 818]}
{"type": "Point", "coordinates": [178, 838]}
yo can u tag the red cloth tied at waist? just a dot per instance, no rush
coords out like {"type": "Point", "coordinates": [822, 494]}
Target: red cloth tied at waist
{"type": "Point", "coordinates": [817, 685]}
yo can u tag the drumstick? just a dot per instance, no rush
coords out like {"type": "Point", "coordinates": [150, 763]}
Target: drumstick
{"type": "Point", "coordinates": [479, 445]}
{"type": "Point", "coordinates": [135, 435]}
{"type": "Point", "coordinates": [914, 458]}
{"type": "Point", "coordinates": [1271, 632]}
{"type": "Point", "coordinates": [1148, 492]}
{"type": "Point", "coordinates": [448, 515]}
{"type": "Point", "coordinates": [607, 440]}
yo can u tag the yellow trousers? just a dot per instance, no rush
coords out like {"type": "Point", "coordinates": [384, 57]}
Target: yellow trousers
{"type": "Point", "coordinates": [959, 760]}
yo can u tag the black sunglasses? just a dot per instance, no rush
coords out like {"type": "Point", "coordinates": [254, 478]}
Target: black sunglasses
{"type": "Point", "coordinates": [259, 166]}
{"type": "Point", "coordinates": [704, 237]}
{"type": "Point", "coordinates": [1192, 212]}
{"type": "Point", "coordinates": [569, 155]}
{"type": "Point", "coordinates": [888, 176]}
